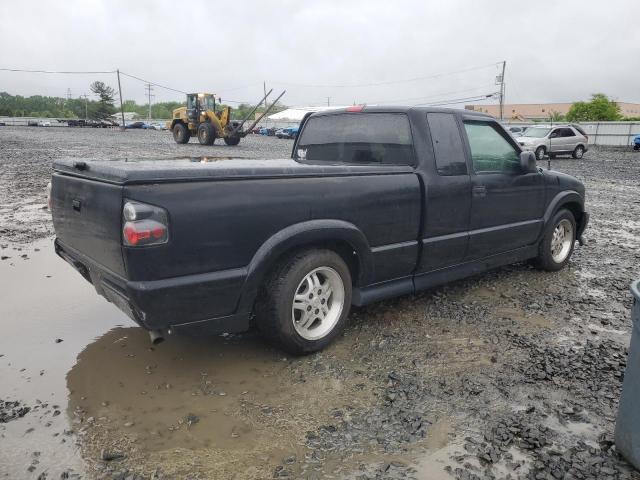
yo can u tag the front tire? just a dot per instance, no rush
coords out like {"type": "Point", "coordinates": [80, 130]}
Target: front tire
{"type": "Point", "coordinates": [557, 244]}
{"type": "Point", "coordinates": [181, 133]}
{"type": "Point", "coordinates": [305, 302]}
{"type": "Point", "coordinates": [540, 153]}
{"type": "Point", "coordinates": [232, 141]}
{"type": "Point", "coordinates": [578, 152]}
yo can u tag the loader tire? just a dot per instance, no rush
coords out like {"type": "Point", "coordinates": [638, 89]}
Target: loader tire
{"type": "Point", "coordinates": [181, 133]}
{"type": "Point", "coordinates": [232, 140]}
{"type": "Point", "coordinates": [206, 134]}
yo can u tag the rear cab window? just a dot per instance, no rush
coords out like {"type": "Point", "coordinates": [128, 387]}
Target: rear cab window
{"type": "Point", "coordinates": [447, 144]}
{"type": "Point", "coordinates": [357, 138]}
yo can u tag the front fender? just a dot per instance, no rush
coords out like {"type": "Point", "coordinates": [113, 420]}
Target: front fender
{"type": "Point", "coordinates": [299, 235]}
{"type": "Point", "coordinates": [562, 198]}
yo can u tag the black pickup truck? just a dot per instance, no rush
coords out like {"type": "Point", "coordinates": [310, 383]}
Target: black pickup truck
{"type": "Point", "coordinates": [375, 202]}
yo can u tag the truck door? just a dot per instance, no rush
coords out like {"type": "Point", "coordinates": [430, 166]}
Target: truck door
{"type": "Point", "coordinates": [507, 204]}
{"type": "Point", "coordinates": [447, 196]}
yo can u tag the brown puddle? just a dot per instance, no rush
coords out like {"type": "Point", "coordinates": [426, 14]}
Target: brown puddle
{"type": "Point", "coordinates": [42, 299]}
{"type": "Point", "coordinates": [184, 393]}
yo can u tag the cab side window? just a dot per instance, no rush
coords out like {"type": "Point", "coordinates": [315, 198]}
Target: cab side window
{"type": "Point", "coordinates": [447, 144]}
{"type": "Point", "coordinates": [491, 152]}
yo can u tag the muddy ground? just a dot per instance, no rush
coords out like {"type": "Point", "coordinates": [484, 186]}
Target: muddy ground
{"type": "Point", "coordinates": [515, 373]}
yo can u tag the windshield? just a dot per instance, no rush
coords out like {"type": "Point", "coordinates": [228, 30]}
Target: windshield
{"type": "Point", "coordinates": [357, 138]}
{"type": "Point", "coordinates": [207, 102]}
{"type": "Point", "coordinates": [536, 132]}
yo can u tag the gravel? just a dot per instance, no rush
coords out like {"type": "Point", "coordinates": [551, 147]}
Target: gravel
{"type": "Point", "coordinates": [515, 373]}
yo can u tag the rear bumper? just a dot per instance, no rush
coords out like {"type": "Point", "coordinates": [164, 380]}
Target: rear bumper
{"type": "Point", "coordinates": [206, 302]}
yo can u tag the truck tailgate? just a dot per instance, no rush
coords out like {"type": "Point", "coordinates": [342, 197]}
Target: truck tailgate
{"type": "Point", "coordinates": [87, 216]}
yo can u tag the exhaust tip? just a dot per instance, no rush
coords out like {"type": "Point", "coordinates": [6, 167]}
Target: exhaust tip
{"type": "Point", "coordinates": [156, 336]}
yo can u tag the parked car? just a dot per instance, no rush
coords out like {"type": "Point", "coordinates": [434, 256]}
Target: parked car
{"type": "Point", "coordinates": [636, 142]}
{"type": "Point", "coordinates": [44, 123]}
{"type": "Point", "coordinates": [375, 202]}
{"type": "Point", "coordinates": [516, 130]}
{"type": "Point", "coordinates": [289, 132]}
{"type": "Point", "coordinates": [135, 125]}
{"type": "Point", "coordinates": [553, 141]}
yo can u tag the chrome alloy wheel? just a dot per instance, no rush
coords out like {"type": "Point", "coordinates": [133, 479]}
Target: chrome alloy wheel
{"type": "Point", "coordinates": [318, 303]}
{"type": "Point", "coordinates": [562, 240]}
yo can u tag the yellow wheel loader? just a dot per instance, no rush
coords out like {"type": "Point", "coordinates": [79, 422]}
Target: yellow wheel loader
{"type": "Point", "coordinates": [202, 119]}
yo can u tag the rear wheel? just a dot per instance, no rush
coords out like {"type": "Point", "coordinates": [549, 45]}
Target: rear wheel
{"type": "Point", "coordinates": [206, 134]}
{"type": "Point", "coordinates": [181, 133]}
{"type": "Point", "coordinates": [578, 152]}
{"type": "Point", "coordinates": [304, 304]}
{"type": "Point", "coordinates": [557, 244]}
{"type": "Point", "coordinates": [232, 141]}
{"type": "Point", "coordinates": [540, 153]}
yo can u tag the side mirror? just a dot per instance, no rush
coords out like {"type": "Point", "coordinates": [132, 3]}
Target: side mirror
{"type": "Point", "coordinates": [553, 135]}
{"type": "Point", "coordinates": [528, 162]}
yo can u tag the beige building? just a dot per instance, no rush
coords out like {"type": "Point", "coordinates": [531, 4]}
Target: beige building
{"type": "Point", "coordinates": [532, 111]}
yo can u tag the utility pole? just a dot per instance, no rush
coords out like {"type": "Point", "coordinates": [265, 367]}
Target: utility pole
{"type": "Point", "coordinates": [264, 86]}
{"type": "Point", "coordinates": [68, 94]}
{"type": "Point", "coordinates": [121, 107]}
{"type": "Point", "coordinates": [149, 89]}
{"type": "Point", "coordinates": [500, 80]}
{"type": "Point", "coordinates": [328, 101]}
{"type": "Point", "coordinates": [86, 105]}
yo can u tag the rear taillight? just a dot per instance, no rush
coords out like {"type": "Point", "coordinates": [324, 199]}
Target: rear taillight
{"type": "Point", "coordinates": [144, 224]}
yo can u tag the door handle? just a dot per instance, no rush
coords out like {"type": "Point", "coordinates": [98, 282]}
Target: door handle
{"type": "Point", "coordinates": [479, 191]}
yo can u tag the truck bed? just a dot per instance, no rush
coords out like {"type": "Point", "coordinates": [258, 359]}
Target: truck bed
{"type": "Point", "coordinates": [125, 171]}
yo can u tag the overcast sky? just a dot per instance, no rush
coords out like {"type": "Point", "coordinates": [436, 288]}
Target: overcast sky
{"type": "Point", "coordinates": [350, 51]}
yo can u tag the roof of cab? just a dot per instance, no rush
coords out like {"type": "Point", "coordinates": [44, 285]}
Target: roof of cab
{"type": "Point", "coordinates": [400, 109]}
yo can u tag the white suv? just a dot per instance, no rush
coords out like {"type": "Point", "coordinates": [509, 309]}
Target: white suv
{"type": "Point", "coordinates": [557, 140]}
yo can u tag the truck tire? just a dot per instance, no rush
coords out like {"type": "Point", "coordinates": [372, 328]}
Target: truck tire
{"type": "Point", "coordinates": [232, 141]}
{"type": "Point", "coordinates": [305, 301]}
{"type": "Point", "coordinates": [181, 133]}
{"type": "Point", "coordinates": [206, 134]}
{"type": "Point", "coordinates": [557, 244]}
{"type": "Point", "coordinates": [540, 153]}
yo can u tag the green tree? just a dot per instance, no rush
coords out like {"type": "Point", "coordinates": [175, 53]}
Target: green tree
{"type": "Point", "coordinates": [104, 108]}
{"type": "Point", "coordinates": [556, 116]}
{"type": "Point", "coordinates": [599, 108]}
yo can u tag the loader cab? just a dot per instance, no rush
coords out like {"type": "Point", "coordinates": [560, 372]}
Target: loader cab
{"type": "Point", "coordinates": [198, 103]}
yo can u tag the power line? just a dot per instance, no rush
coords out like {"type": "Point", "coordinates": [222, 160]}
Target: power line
{"type": "Point", "coordinates": [453, 101]}
{"type": "Point", "coordinates": [391, 82]}
{"type": "Point", "coordinates": [432, 96]}
{"type": "Point", "coordinates": [152, 83]}
{"type": "Point", "coordinates": [67, 72]}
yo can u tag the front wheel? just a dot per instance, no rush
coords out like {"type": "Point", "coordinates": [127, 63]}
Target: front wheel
{"type": "Point", "coordinates": [304, 304]}
{"type": "Point", "coordinates": [232, 141]}
{"type": "Point", "coordinates": [540, 152]}
{"type": "Point", "coordinates": [578, 152]}
{"type": "Point", "coordinates": [557, 244]}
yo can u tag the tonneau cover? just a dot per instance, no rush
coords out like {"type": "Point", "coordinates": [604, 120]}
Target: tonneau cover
{"type": "Point", "coordinates": [121, 172]}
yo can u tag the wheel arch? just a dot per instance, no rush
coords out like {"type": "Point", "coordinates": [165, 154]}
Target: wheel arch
{"type": "Point", "coordinates": [342, 237]}
{"type": "Point", "coordinates": [572, 201]}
